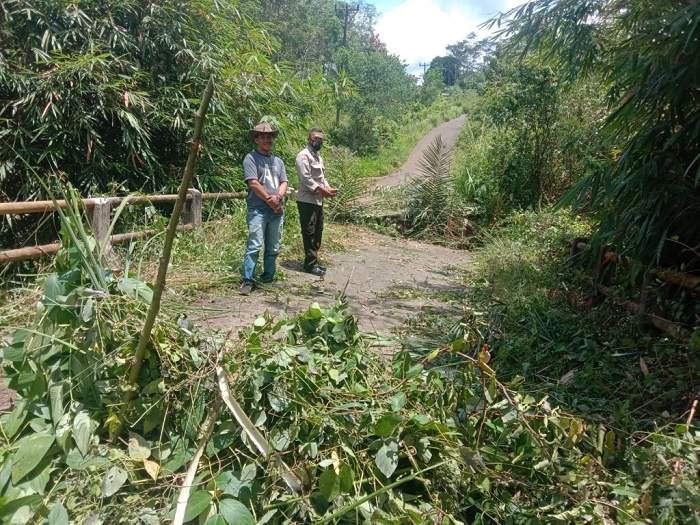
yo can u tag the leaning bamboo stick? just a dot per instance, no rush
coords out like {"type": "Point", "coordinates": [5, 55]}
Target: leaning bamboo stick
{"type": "Point", "coordinates": [154, 308]}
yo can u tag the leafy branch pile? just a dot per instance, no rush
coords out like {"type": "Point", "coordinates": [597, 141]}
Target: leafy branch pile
{"type": "Point", "coordinates": [436, 440]}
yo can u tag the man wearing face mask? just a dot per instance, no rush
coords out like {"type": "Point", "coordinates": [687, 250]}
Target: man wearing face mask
{"type": "Point", "coordinates": [313, 188]}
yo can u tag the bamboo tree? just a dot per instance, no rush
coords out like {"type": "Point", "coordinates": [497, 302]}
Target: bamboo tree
{"type": "Point", "coordinates": [165, 256]}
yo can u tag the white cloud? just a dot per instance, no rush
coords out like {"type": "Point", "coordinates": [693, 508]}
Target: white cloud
{"type": "Point", "coordinates": [419, 30]}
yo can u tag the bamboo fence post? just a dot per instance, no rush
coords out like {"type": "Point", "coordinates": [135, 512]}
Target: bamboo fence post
{"type": "Point", "coordinates": [165, 256]}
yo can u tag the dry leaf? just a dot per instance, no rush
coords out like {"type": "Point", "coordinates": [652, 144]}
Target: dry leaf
{"type": "Point", "coordinates": [485, 355]}
{"type": "Point", "coordinates": [643, 366]}
{"type": "Point", "coordinates": [645, 502]}
{"type": "Point", "coordinates": [152, 468]}
{"type": "Point", "coordinates": [568, 377]}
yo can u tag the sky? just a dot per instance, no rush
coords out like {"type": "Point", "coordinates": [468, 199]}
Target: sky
{"type": "Point", "coordinates": [419, 30]}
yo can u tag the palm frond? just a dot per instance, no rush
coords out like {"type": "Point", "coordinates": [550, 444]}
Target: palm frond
{"type": "Point", "coordinates": [431, 194]}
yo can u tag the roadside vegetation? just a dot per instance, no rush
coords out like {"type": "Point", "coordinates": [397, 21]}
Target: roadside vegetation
{"type": "Point", "coordinates": [544, 402]}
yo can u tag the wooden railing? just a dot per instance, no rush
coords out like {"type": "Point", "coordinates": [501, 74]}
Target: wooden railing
{"type": "Point", "coordinates": [100, 210]}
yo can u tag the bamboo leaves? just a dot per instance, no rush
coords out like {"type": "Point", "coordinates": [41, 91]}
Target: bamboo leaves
{"type": "Point", "coordinates": [646, 56]}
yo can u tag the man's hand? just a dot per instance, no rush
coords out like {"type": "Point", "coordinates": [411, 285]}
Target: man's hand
{"type": "Point", "coordinates": [274, 202]}
{"type": "Point", "coordinates": [328, 192]}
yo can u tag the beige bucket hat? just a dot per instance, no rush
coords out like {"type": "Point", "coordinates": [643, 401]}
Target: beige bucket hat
{"type": "Point", "coordinates": [263, 127]}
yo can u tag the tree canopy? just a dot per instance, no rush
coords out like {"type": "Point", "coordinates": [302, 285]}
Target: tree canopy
{"type": "Point", "coordinates": [647, 55]}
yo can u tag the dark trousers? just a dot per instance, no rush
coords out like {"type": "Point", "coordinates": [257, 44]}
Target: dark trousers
{"type": "Point", "coordinates": [311, 219]}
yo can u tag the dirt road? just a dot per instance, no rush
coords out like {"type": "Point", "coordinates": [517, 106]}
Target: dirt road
{"type": "Point", "coordinates": [449, 131]}
{"type": "Point", "coordinates": [386, 280]}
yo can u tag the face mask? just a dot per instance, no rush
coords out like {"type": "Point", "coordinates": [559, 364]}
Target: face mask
{"type": "Point", "coordinates": [316, 144]}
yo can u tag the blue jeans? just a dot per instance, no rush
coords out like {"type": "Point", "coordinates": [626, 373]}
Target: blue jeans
{"type": "Point", "coordinates": [264, 227]}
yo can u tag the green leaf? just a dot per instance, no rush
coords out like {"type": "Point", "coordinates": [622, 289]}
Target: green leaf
{"type": "Point", "coordinates": [56, 396]}
{"type": "Point", "coordinates": [347, 477]}
{"type": "Point", "coordinates": [421, 419]}
{"type": "Point", "coordinates": [112, 481]}
{"type": "Point", "coordinates": [329, 484]}
{"type": "Point", "coordinates": [40, 476]}
{"type": "Point", "coordinates": [387, 458]}
{"type": "Point", "coordinates": [387, 424]}
{"type": "Point", "coordinates": [53, 288]}
{"type": "Point", "coordinates": [16, 419]}
{"type": "Point", "coordinates": [628, 491]}
{"type": "Point", "coordinates": [82, 431]}
{"type": "Point", "coordinates": [267, 517]}
{"type": "Point", "coordinates": [138, 447]}
{"type": "Point", "coordinates": [414, 371]}
{"type": "Point", "coordinates": [5, 472]}
{"type": "Point", "coordinates": [135, 289]}
{"type": "Point", "coordinates": [31, 450]}
{"type": "Point", "coordinates": [10, 507]}
{"type": "Point", "coordinates": [198, 502]}
{"type": "Point", "coordinates": [398, 401]}
{"type": "Point", "coordinates": [280, 439]}
{"type": "Point", "coordinates": [58, 515]}
{"type": "Point", "coordinates": [237, 484]}
{"type": "Point", "coordinates": [13, 353]}
{"type": "Point", "coordinates": [235, 513]}
{"type": "Point", "coordinates": [216, 519]}
{"type": "Point", "coordinates": [87, 313]}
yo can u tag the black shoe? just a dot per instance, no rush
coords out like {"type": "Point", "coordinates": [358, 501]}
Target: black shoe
{"type": "Point", "coordinates": [322, 267]}
{"type": "Point", "coordinates": [246, 288]}
{"type": "Point", "coordinates": [318, 271]}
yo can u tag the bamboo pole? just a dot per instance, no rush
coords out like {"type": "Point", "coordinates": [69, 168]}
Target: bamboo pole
{"type": "Point", "coordinates": [165, 256]}
{"type": "Point", "coordinates": [34, 252]}
{"type": "Point", "coordinates": [685, 280]}
{"type": "Point", "coordinates": [30, 252]}
{"type": "Point", "coordinates": [24, 207]}
{"type": "Point", "coordinates": [675, 330]}
{"type": "Point", "coordinates": [222, 196]}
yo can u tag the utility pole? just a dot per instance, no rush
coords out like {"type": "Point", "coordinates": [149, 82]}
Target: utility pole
{"type": "Point", "coordinates": [424, 66]}
{"type": "Point", "coordinates": [348, 11]}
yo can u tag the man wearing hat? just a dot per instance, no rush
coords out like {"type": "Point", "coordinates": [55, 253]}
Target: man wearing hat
{"type": "Point", "coordinates": [266, 178]}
